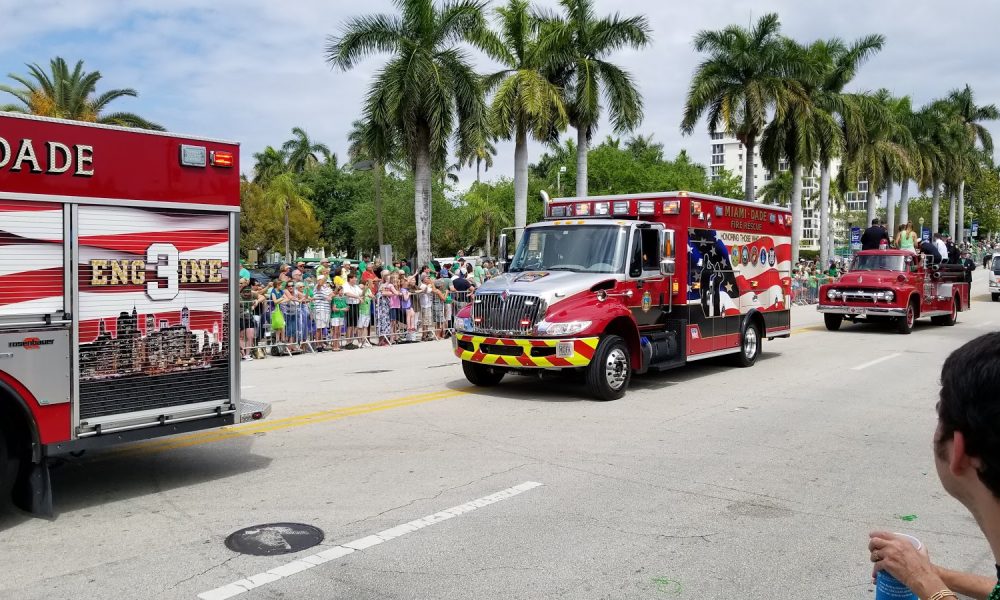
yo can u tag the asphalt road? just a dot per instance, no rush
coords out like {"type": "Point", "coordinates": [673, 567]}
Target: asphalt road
{"type": "Point", "coordinates": [704, 482]}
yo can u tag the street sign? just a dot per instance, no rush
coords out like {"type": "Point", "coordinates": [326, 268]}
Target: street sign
{"type": "Point", "coordinates": [925, 234]}
{"type": "Point", "coordinates": [855, 238]}
{"type": "Point", "coordinates": [975, 229]}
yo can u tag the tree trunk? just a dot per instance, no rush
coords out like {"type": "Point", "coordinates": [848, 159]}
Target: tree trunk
{"type": "Point", "coordinates": [825, 251]}
{"type": "Point", "coordinates": [422, 194]}
{"type": "Point", "coordinates": [796, 212]}
{"type": "Point", "coordinates": [581, 161]}
{"type": "Point", "coordinates": [952, 205]}
{"type": "Point", "coordinates": [904, 202]}
{"type": "Point", "coordinates": [379, 170]}
{"type": "Point", "coordinates": [935, 208]}
{"type": "Point", "coordinates": [960, 233]}
{"type": "Point", "coordinates": [521, 181]}
{"type": "Point", "coordinates": [479, 163]}
{"type": "Point", "coordinates": [890, 209]}
{"type": "Point", "coordinates": [749, 194]}
{"type": "Point", "coordinates": [870, 205]}
{"type": "Point", "coordinates": [488, 251]}
{"type": "Point", "coordinates": [288, 249]}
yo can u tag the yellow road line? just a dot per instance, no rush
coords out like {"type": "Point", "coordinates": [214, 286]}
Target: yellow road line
{"type": "Point", "coordinates": [807, 329]}
{"type": "Point", "coordinates": [334, 414]}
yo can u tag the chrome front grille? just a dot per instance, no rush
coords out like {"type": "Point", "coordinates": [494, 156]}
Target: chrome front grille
{"type": "Point", "coordinates": [506, 314]}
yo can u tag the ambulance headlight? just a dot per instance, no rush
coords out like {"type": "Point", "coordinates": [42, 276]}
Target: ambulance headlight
{"type": "Point", "coordinates": [833, 294]}
{"type": "Point", "coordinates": [889, 296]}
{"type": "Point", "coordinates": [464, 324]}
{"type": "Point", "coordinates": [561, 329]}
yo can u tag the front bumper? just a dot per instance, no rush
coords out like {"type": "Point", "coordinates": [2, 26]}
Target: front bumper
{"type": "Point", "coordinates": [862, 311]}
{"type": "Point", "coordinates": [525, 353]}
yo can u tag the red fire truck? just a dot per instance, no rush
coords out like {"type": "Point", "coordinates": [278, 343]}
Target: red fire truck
{"type": "Point", "coordinates": [612, 285]}
{"type": "Point", "coordinates": [116, 301]}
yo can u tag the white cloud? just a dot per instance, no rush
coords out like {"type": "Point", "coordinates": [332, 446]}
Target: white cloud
{"type": "Point", "coordinates": [250, 70]}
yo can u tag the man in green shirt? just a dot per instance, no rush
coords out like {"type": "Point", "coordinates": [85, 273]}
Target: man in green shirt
{"type": "Point", "coordinates": [406, 268]}
{"type": "Point", "coordinates": [244, 272]}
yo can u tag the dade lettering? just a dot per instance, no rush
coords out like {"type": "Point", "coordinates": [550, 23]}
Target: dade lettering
{"type": "Point", "coordinates": [51, 158]}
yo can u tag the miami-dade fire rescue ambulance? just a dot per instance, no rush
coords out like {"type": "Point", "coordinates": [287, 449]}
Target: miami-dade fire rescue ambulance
{"type": "Point", "coordinates": [116, 300]}
{"type": "Point", "coordinates": [612, 285]}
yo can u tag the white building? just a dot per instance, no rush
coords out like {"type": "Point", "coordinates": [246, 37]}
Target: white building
{"type": "Point", "coordinates": [729, 154]}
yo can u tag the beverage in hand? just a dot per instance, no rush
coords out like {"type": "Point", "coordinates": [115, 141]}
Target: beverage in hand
{"type": "Point", "coordinates": [888, 587]}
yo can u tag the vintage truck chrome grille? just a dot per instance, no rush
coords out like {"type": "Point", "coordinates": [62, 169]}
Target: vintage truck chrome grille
{"type": "Point", "coordinates": [506, 314]}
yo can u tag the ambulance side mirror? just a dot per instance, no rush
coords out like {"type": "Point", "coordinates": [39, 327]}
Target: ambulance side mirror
{"type": "Point", "coordinates": [667, 266]}
{"type": "Point", "coordinates": [502, 252]}
{"type": "Point", "coordinates": [667, 263]}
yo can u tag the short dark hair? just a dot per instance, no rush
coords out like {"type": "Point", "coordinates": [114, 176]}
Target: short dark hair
{"type": "Point", "coordinates": [874, 221]}
{"type": "Point", "coordinates": [969, 403]}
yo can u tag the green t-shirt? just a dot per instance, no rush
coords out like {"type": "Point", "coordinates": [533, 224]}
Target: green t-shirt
{"type": "Point", "coordinates": [339, 306]}
{"type": "Point", "coordinates": [406, 269]}
{"type": "Point", "coordinates": [812, 281]}
{"type": "Point", "coordinates": [362, 265]}
{"type": "Point", "coordinates": [244, 273]}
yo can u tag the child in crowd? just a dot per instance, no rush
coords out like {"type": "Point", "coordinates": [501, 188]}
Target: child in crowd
{"type": "Point", "coordinates": [339, 313]}
{"type": "Point", "coordinates": [365, 313]}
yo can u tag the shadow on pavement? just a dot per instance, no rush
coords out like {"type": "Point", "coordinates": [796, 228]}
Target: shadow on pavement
{"type": "Point", "coordinates": [99, 478]}
{"type": "Point", "coordinates": [556, 387]}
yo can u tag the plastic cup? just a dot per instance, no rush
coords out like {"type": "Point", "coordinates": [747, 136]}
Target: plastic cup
{"type": "Point", "coordinates": [888, 587]}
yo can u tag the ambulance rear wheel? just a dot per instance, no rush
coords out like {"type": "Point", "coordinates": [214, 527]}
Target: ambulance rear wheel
{"type": "Point", "coordinates": [482, 375]}
{"type": "Point", "coordinates": [610, 370]}
{"type": "Point", "coordinates": [750, 344]}
{"type": "Point", "coordinates": [8, 471]}
{"type": "Point", "coordinates": [833, 321]}
{"type": "Point", "coordinates": [996, 297]}
{"type": "Point", "coordinates": [950, 319]}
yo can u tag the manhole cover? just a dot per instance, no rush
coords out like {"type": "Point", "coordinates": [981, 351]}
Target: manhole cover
{"type": "Point", "coordinates": [274, 538]}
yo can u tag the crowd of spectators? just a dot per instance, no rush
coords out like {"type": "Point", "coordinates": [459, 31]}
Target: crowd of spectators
{"type": "Point", "coordinates": [350, 306]}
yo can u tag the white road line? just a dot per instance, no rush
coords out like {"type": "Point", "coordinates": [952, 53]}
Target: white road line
{"type": "Point", "coordinates": [307, 562]}
{"type": "Point", "coordinates": [877, 361]}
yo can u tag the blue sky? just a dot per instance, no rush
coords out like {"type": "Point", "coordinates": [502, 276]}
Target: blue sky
{"type": "Point", "coordinates": [250, 70]}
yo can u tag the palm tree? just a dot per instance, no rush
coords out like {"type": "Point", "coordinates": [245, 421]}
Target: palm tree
{"type": "Point", "coordinates": [269, 164]}
{"type": "Point", "coordinates": [778, 191]}
{"type": "Point", "coordinates": [481, 155]}
{"type": "Point", "coordinates": [581, 43]}
{"type": "Point", "coordinates": [746, 75]}
{"type": "Point", "coordinates": [378, 146]}
{"type": "Point", "coordinates": [64, 94]}
{"type": "Point", "coordinates": [302, 153]}
{"type": "Point", "coordinates": [485, 213]}
{"type": "Point", "coordinates": [428, 90]}
{"type": "Point", "coordinates": [525, 102]}
{"type": "Point", "coordinates": [971, 118]}
{"type": "Point", "coordinates": [884, 150]}
{"type": "Point", "coordinates": [285, 194]}
{"type": "Point", "coordinates": [839, 64]}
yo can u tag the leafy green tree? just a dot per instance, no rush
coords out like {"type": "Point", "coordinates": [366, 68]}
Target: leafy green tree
{"type": "Point", "coordinates": [259, 229]}
{"type": "Point", "coordinates": [581, 44]}
{"type": "Point", "coordinates": [268, 164]}
{"type": "Point", "coordinates": [982, 198]}
{"type": "Point", "coordinates": [334, 193]}
{"type": "Point", "coordinates": [746, 75]}
{"type": "Point", "coordinates": [66, 94]}
{"type": "Point", "coordinates": [525, 102]}
{"type": "Point", "coordinates": [287, 195]}
{"type": "Point", "coordinates": [426, 93]}
{"type": "Point", "coordinates": [485, 214]}
{"type": "Point", "coordinates": [481, 155]}
{"type": "Point", "coordinates": [301, 153]}
{"type": "Point", "coordinates": [726, 184]}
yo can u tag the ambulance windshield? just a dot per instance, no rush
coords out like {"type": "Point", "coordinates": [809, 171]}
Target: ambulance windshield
{"type": "Point", "coordinates": [579, 248]}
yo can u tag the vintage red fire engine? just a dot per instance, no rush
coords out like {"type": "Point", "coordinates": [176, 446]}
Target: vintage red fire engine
{"type": "Point", "coordinates": [611, 285]}
{"type": "Point", "coordinates": [115, 292]}
{"type": "Point", "coordinates": [898, 286]}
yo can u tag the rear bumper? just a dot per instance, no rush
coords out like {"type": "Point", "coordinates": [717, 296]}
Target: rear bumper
{"type": "Point", "coordinates": [525, 353]}
{"type": "Point", "coordinates": [862, 311]}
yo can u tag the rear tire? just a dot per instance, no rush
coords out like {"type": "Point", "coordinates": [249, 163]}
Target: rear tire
{"type": "Point", "coordinates": [948, 320]}
{"type": "Point", "coordinates": [833, 322]}
{"type": "Point", "coordinates": [610, 370]}
{"type": "Point", "coordinates": [482, 375]}
{"type": "Point", "coordinates": [750, 345]}
{"type": "Point", "coordinates": [996, 297]}
{"type": "Point", "coordinates": [904, 325]}
{"type": "Point", "coordinates": [8, 471]}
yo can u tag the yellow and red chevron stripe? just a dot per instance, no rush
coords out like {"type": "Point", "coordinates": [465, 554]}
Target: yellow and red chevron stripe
{"type": "Point", "coordinates": [583, 351]}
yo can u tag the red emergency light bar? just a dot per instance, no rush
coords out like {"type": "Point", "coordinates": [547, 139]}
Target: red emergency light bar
{"type": "Point", "coordinates": [221, 158]}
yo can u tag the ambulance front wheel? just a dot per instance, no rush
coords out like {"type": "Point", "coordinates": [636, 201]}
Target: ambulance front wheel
{"type": "Point", "coordinates": [832, 321]}
{"type": "Point", "coordinates": [482, 375]}
{"type": "Point", "coordinates": [610, 369]}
